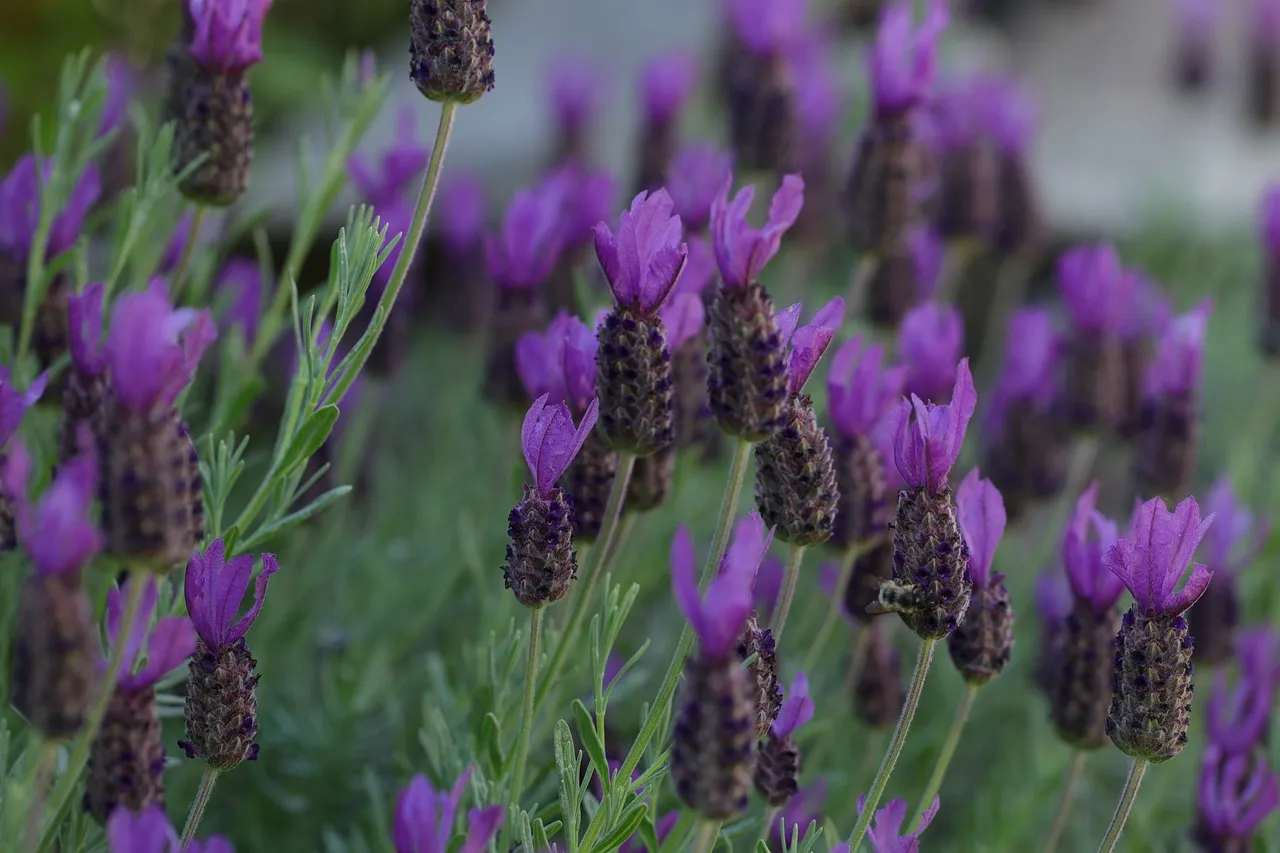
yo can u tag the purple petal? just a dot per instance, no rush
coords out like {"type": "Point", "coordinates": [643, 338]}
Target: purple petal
{"type": "Point", "coordinates": [695, 179]}
{"type": "Point", "coordinates": [729, 596]}
{"type": "Point", "coordinates": [136, 634]}
{"type": "Point", "coordinates": [1178, 362]}
{"type": "Point", "coordinates": [269, 568]}
{"type": "Point", "coordinates": [684, 579]}
{"type": "Point", "coordinates": [683, 316]}
{"type": "Point", "coordinates": [811, 341]}
{"type": "Point", "coordinates": [665, 84]}
{"type": "Point", "coordinates": [147, 831]}
{"type": "Point", "coordinates": [930, 343]}
{"type": "Point", "coordinates": [787, 320]}
{"type": "Point", "coordinates": [61, 536]}
{"type": "Point", "coordinates": [482, 825]}
{"type": "Point", "coordinates": [414, 827]}
{"type": "Point", "coordinates": [982, 520]}
{"type": "Point", "coordinates": [172, 641]}
{"type": "Point", "coordinates": [797, 708]}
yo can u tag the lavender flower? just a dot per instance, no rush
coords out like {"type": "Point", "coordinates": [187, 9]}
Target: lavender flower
{"type": "Point", "coordinates": [14, 404]}
{"type": "Point", "coordinates": [742, 251]}
{"type": "Point", "coordinates": [901, 62]}
{"type": "Point", "coordinates": [83, 397]}
{"type": "Point", "coordinates": [777, 774]}
{"type": "Point", "coordinates": [451, 49]}
{"type": "Point", "coordinates": [1230, 546]}
{"type": "Point", "coordinates": [462, 204]}
{"type": "Point", "coordinates": [1053, 604]}
{"type": "Point", "coordinates": [930, 343]}
{"type": "Point", "coordinates": [240, 283]}
{"type": "Point", "coordinates": [153, 349]}
{"type": "Point", "coordinates": [20, 209]}
{"type": "Point", "coordinates": [398, 165]}
{"type": "Point", "coordinates": [149, 831]}
{"type": "Point", "coordinates": [1094, 290]}
{"type": "Point", "coordinates": [228, 33]}
{"type": "Point", "coordinates": [1235, 795]}
{"type": "Point", "coordinates": [982, 644]}
{"type": "Point", "coordinates": [885, 833]}
{"type": "Point", "coordinates": [697, 175]}
{"type": "Point", "coordinates": [800, 811]}
{"type": "Point", "coordinates": [762, 88]}
{"type": "Point", "coordinates": [926, 447]}
{"type": "Point", "coordinates": [424, 818]}
{"type": "Point", "coordinates": [577, 91]}
{"type": "Point", "coordinates": [665, 85]}
{"type": "Point", "coordinates": [58, 532]}
{"type": "Point", "coordinates": [1197, 23]}
{"type": "Point", "coordinates": [1237, 718]}
{"type": "Point", "coordinates": [560, 363]}
{"type": "Point", "coordinates": [968, 201]}
{"type": "Point", "coordinates": [1012, 119]}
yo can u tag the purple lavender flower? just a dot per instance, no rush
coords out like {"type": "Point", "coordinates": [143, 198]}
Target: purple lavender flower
{"type": "Point", "coordinates": [1093, 287]}
{"type": "Point", "coordinates": [1147, 311]}
{"type": "Point", "coordinates": [885, 833]}
{"type": "Point", "coordinates": [1258, 650]}
{"type": "Point", "coordinates": [149, 831]}
{"type": "Point", "coordinates": [461, 220]}
{"type": "Point", "coordinates": [769, 578]}
{"type": "Point", "coordinates": [58, 533]}
{"type": "Point", "coordinates": [808, 342]}
{"type": "Point", "coordinates": [560, 363]}
{"type": "Point", "coordinates": [1237, 718]}
{"type": "Point", "coordinates": [697, 175]}
{"type": "Point", "coordinates": [777, 772]}
{"type": "Point", "coordinates": [1089, 538]}
{"type": "Point", "coordinates": [800, 811]}
{"type": "Point", "coordinates": [699, 267]}
{"type": "Point", "coordinates": [665, 84]}
{"type": "Point", "coordinates": [20, 208]}
{"type": "Point", "coordinates": [742, 251]}
{"type": "Point", "coordinates": [930, 343]}
{"type": "Point", "coordinates": [901, 62]}
{"type": "Point", "coordinates": [927, 254]}
{"type": "Point", "coordinates": [241, 284]}
{"type": "Point", "coordinates": [214, 590]}
{"type": "Point", "coordinates": [1053, 604]}
{"type": "Point", "coordinates": [14, 403]}
{"type": "Point", "coordinates": [860, 389]}
{"type": "Point", "coordinates": [591, 200]}
{"type": "Point", "coordinates": [683, 317]}
{"type": "Point", "coordinates": [797, 708]}
{"type": "Point", "coordinates": [550, 440]}
{"type": "Point", "coordinates": [982, 644]}
{"type": "Point", "coordinates": [398, 165]}
{"type": "Point", "coordinates": [1033, 353]}
{"type": "Point", "coordinates": [1179, 358]}
{"type": "Point", "coordinates": [1235, 795]}
{"type": "Point", "coordinates": [424, 818]}
{"type": "Point", "coordinates": [1053, 596]}
{"type": "Point", "coordinates": [163, 648]}
{"type": "Point", "coordinates": [926, 447]}
{"type": "Point", "coordinates": [152, 349]}
{"type": "Point", "coordinates": [228, 33]}
{"type": "Point", "coordinates": [525, 250]}
{"type": "Point", "coordinates": [980, 511]}
{"type": "Point", "coordinates": [1010, 114]}
{"type": "Point", "coordinates": [767, 26]}
{"type": "Point", "coordinates": [1152, 559]}
{"type": "Point", "coordinates": [577, 92]}
{"type": "Point", "coordinates": [819, 99]}
{"type": "Point", "coordinates": [643, 258]}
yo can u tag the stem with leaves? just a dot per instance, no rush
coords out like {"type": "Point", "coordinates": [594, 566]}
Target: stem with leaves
{"type": "Point", "coordinates": [199, 804]}
{"type": "Point", "coordinates": [948, 752]}
{"type": "Point", "coordinates": [1137, 769]}
{"type": "Point", "coordinates": [526, 724]}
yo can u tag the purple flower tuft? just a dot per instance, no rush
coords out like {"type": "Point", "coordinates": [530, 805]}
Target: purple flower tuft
{"type": "Point", "coordinates": [1235, 795]}
{"type": "Point", "coordinates": [550, 440]}
{"type": "Point", "coordinates": [1084, 553]}
{"type": "Point", "coordinates": [228, 33]}
{"type": "Point", "coordinates": [1032, 355]}
{"type": "Point", "coordinates": [699, 267]}
{"type": "Point", "coordinates": [885, 833]}
{"type": "Point", "coordinates": [240, 283]}
{"type": "Point", "coordinates": [860, 390]}
{"type": "Point", "coordinates": [643, 258]}
{"type": "Point", "coordinates": [524, 251]}
{"type": "Point", "coordinates": [767, 26]}
{"type": "Point", "coordinates": [930, 343]}
{"type": "Point", "coordinates": [665, 84]}
{"type": "Point", "coordinates": [84, 330]}
{"type": "Point", "coordinates": [58, 533]}
{"type": "Point", "coordinates": [1093, 287]}
{"type": "Point", "coordinates": [398, 165]}
{"type": "Point", "coordinates": [742, 251]}
{"type": "Point", "coordinates": [808, 343]}
{"type": "Point", "coordinates": [1178, 361]}
{"type": "Point", "coordinates": [461, 207]}
{"type": "Point", "coordinates": [980, 508]}
{"type": "Point", "coordinates": [1053, 596]}
{"type": "Point", "coordinates": [424, 818]}
{"type": "Point", "coordinates": [20, 208]}
{"type": "Point", "coordinates": [576, 90]}
{"type": "Point", "coordinates": [697, 174]}
{"type": "Point", "coordinates": [14, 403]}
{"type": "Point", "coordinates": [149, 831]}
{"type": "Point", "coordinates": [215, 588]}
{"type": "Point", "coordinates": [1147, 310]}
{"type": "Point", "coordinates": [902, 60]}
{"type": "Point", "coordinates": [1258, 650]}
{"type": "Point", "coordinates": [769, 578]}
{"type": "Point", "coordinates": [1237, 718]}
{"type": "Point", "coordinates": [560, 363]}
{"type": "Point", "coordinates": [1153, 557]}
{"type": "Point", "coordinates": [170, 642]}
{"type": "Point", "coordinates": [683, 317]}
{"type": "Point", "coordinates": [1234, 539]}
{"type": "Point", "coordinates": [926, 447]}
{"type": "Point", "coordinates": [797, 708]}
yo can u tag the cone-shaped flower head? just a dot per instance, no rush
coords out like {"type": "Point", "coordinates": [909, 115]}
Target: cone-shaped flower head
{"type": "Point", "coordinates": [214, 590]}
{"type": "Point", "coordinates": [58, 532]}
{"type": "Point", "coordinates": [982, 644]}
{"type": "Point", "coordinates": [643, 257]}
{"type": "Point", "coordinates": [20, 208]}
{"type": "Point", "coordinates": [550, 440]}
{"type": "Point", "coordinates": [153, 349]}
{"type": "Point", "coordinates": [697, 174]}
{"type": "Point", "coordinates": [718, 616]}
{"type": "Point", "coordinates": [1153, 558]}
{"type": "Point", "coordinates": [1093, 287]}
{"type": "Point", "coordinates": [1235, 795]}
{"type": "Point", "coordinates": [927, 446]}
{"type": "Point", "coordinates": [1089, 537]}
{"type": "Point", "coordinates": [149, 831]}
{"type": "Point", "coordinates": [885, 833]}
{"type": "Point", "coordinates": [767, 26]}
{"type": "Point", "coordinates": [742, 251]}
{"type": "Point", "coordinates": [14, 403]}
{"type": "Point", "coordinates": [930, 343]}
{"type": "Point", "coordinates": [809, 342]}
{"type": "Point", "coordinates": [228, 33]}
{"type": "Point", "coordinates": [462, 211]}
{"type": "Point", "coordinates": [1053, 604]}
{"type": "Point", "coordinates": [860, 389]}
{"type": "Point", "coordinates": [1178, 363]}
{"type": "Point", "coordinates": [84, 330]}
{"type": "Point", "coordinates": [1053, 595]}
{"type": "Point", "coordinates": [451, 49]}
{"type": "Point", "coordinates": [1031, 360]}
{"type": "Point", "coordinates": [424, 818]}
{"type": "Point", "coordinates": [397, 166]}
{"type": "Point", "coordinates": [777, 774]}
{"type": "Point", "coordinates": [560, 362]}
{"type": "Point", "coordinates": [665, 84]}
{"type": "Point", "coordinates": [525, 250]}
{"type": "Point", "coordinates": [903, 58]}
{"type": "Point", "coordinates": [162, 647]}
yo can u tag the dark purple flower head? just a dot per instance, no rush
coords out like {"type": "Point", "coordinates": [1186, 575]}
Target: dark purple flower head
{"type": "Point", "coordinates": [742, 251]}
{"type": "Point", "coordinates": [926, 447]}
{"type": "Point", "coordinates": [1152, 558]}
{"type": "Point", "coordinates": [718, 616]}
{"type": "Point", "coordinates": [860, 390]}
{"type": "Point", "coordinates": [930, 343]}
{"type": "Point", "coordinates": [1146, 311]}
{"type": "Point", "coordinates": [228, 33]}
{"type": "Point", "coordinates": [886, 835]}
{"type": "Point", "coordinates": [1178, 362]}
{"type": "Point", "coordinates": [120, 83]}
{"type": "Point", "coordinates": [980, 508]}
{"type": "Point", "coordinates": [14, 403]}
{"type": "Point", "coordinates": [153, 349]}
{"type": "Point", "coordinates": [398, 166]}
{"type": "Point", "coordinates": [1085, 543]}
{"type": "Point", "coordinates": [643, 257]}
{"type": "Point", "coordinates": [58, 533]}
{"type": "Point", "coordinates": [1236, 794]}
{"type": "Point", "coordinates": [1270, 221]}
{"type": "Point", "coordinates": [164, 647]}
{"type": "Point", "coordinates": [699, 267]}
{"type": "Point", "coordinates": [149, 831]}
{"type": "Point", "coordinates": [424, 818]}
{"type": "Point", "coordinates": [1010, 114]}
{"type": "Point", "coordinates": [797, 708]}
{"type": "Point", "coordinates": [550, 440]}
{"type": "Point", "coordinates": [591, 200]}
{"type": "Point", "coordinates": [20, 208]}
{"type": "Point", "coordinates": [240, 283]}
{"type": "Point", "coordinates": [665, 84]}
{"type": "Point", "coordinates": [560, 362]}
{"type": "Point", "coordinates": [577, 90]}
{"type": "Point", "coordinates": [1053, 596]}
{"type": "Point", "coordinates": [683, 316]}
{"type": "Point", "coordinates": [927, 254]}
{"type": "Point", "coordinates": [808, 343]}
{"type": "Point", "coordinates": [215, 588]}
{"type": "Point", "coordinates": [767, 26]}
{"type": "Point", "coordinates": [461, 206]}
{"type": "Point", "coordinates": [697, 174]}
{"type": "Point", "coordinates": [819, 99]}
{"type": "Point", "coordinates": [902, 59]}
{"type": "Point", "coordinates": [1032, 353]}
{"type": "Point", "coordinates": [1235, 539]}
{"type": "Point", "coordinates": [525, 250]}
{"type": "Point", "coordinates": [1093, 287]}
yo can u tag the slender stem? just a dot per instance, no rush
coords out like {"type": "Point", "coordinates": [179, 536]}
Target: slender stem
{"type": "Point", "coordinates": [705, 840]}
{"type": "Point", "coordinates": [526, 723]}
{"type": "Point", "coordinates": [1074, 769]}
{"type": "Point", "coordinates": [954, 263]}
{"type": "Point", "coordinates": [80, 754]}
{"type": "Point", "coordinates": [43, 771]}
{"type": "Point", "coordinates": [766, 825]}
{"type": "Point", "coordinates": [591, 573]}
{"type": "Point", "coordinates": [948, 752]}
{"type": "Point", "coordinates": [819, 644]}
{"type": "Point", "coordinates": [178, 279]}
{"type": "Point", "coordinates": [861, 639]}
{"type": "Point", "coordinates": [895, 743]}
{"type": "Point", "coordinates": [860, 283]}
{"type": "Point", "coordinates": [198, 805]}
{"type": "Point", "coordinates": [1130, 793]}
{"type": "Point", "coordinates": [790, 577]}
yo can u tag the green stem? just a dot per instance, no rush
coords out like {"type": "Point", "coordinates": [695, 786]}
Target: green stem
{"type": "Point", "coordinates": [790, 577]}
{"type": "Point", "coordinates": [948, 752]}
{"type": "Point", "coordinates": [1137, 770]}
{"type": "Point", "coordinates": [42, 771]}
{"type": "Point", "coordinates": [819, 644]}
{"type": "Point", "coordinates": [770, 818]}
{"type": "Point", "coordinates": [1064, 803]}
{"type": "Point", "coordinates": [70, 777]}
{"type": "Point", "coordinates": [198, 805]}
{"type": "Point", "coordinates": [526, 724]}
{"type": "Point", "coordinates": [895, 743]}
{"type": "Point", "coordinates": [591, 573]}
{"type": "Point", "coordinates": [178, 279]}
{"type": "Point", "coordinates": [705, 840]}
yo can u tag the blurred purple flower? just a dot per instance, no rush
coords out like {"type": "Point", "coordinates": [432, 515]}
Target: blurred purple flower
{"type": "Point", "coordinates": [1237, 718]}
{"type": "Point", "coordinates": [1153, 557]}
{"type": "Point", "coordinates": [58, 533]}
{"type": "Point", "coordinates": [1178, 363]}
{"type": "Point", "coordinates": [14, 403]}
{"type": "Point", "coordinates": [424, 818]}
{"type": "Point", "coordinates": [1147, 310]}
{"type": "Point", "coordinates": [927, 255]}
{"type": "Point", "coordinates": [663, 828]}
{"type": "Point", "coordinates": [1053, 596]}
{"type": "Point", "coordinates": [591, 200]}
{"type": "Point", "coordinates": [241, 282]}
{"type": "Point", "coordinates": [769, 580]}
{"type": "Point", "coordinates": [665, 84]}
{"type": "Point", "coordinates": [120, 83]}
{"type": "Point", "coordinates": [228, 33]}
{"type": "Point", "coordinates": [644, 256]}
{"type": "Point", "coordinates": [819, 99]}
{"type": "Point", "coordinates": [683, 316]}
{"type": "Point", "coordinates": [551, 441]}
{"type": "Point", "coordinates": [980, 509]}
{"type": "Point", "coordinates": [926, 447]}
{"type": "Point", "coordinates": [742, 251]}
{"type": "Point", "coordinates": [560, 362]}
{"type": "Point", "coordinates": [930, 343]}
{"type": "Point", "coordinates": [718, 616]}
{"type": "Point", "coordinates": [1093, 287]}
{"type": "Point", "coordinates": [177, 245]}
{"type": "Point", "coordinates": [902, 59]}
{"type": "Point", "coordinates": [1010, 115]}
{"type": "Point", "coordinates": [800, 811]}
{"type": "Point", "coordinates": [528, 245]}
{"type": "Point", "coordinates": [860, 390]}
{"type": "Point", "coordinates": [460, 211]}
{"type": "Point", "coordinates": [577, 90]}
{"type": "Point", "coordinates": [886, 835]}
{"type": "Point", "coordinates": [697, 174]}
{"type": "Point", "coordinates": [215, 587]}
{"type": "Point", "coordinates": [164, 647]}
{"type": "Point", "coordinates": [1235, 795]}
{"type": "Point", "coordinates": [1235, 537]}
{"type": "Point", "coordinates": [20, 208]}
{"type": "Point", "coordinates": [767, 26]}
{"type": "Point", "coordinates": [699, 267]}
{"type": "Point", "coordinates": [1088, 538]}
{"type": "Point", "coordinates": [1033, 351]}
{"type": "Point", "coordinates": [84, 330]}
{"type": "Point", "coordinates": [397, 167]}
{"type": "Point", "coordinates": [797, 708]}
{"type": "Point", "coordinates": [149, 831]}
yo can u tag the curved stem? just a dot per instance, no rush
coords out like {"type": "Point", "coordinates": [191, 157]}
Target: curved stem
{"type": "Point", "coordinates": [84, 741]}
{"type": "Point", "coordinates": [526, 723]}
{"type": "Point", "coordinates": [592, 572]}
{"type": "Point", "coordinates": [42, 771]}
{"type": "Point", "coordinates": [198, 805]}
{"type": "Point", "coordinates": [178, 279]}
{"type": "Point", "coordinates": [819, 644]}
{"type": "Point", "coordinates": [790, 577]}
{"type": "Point", "coordinates": [895, 743]}
{"type": "Point", "coordinates": [1074, 769]}
{"type": "Point", "coordinates": [705, 840]}
{"type": "Point", "coordinates": [1130, 793]}
{"type": "Point", "coordinates": [948, 752]}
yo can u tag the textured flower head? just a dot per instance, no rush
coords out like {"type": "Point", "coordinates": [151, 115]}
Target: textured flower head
{"type": "Point", "coordinates": [885, 833]}
{"type": "Point", "coordinates": [1236, 794]}
{"type": "Point", "coordinates": [228, 33]}
{"type": "Point", "coordinates": [903, 58]}
{"type": "Point", "coordinates": [1093, 287]}
{"type": "Point", "coordinates": [643, 257]}
{"type": "Point", "coordinates": [930, 343]}
{"type": "Point", "coordinates": [214, 589]}
{"type": "Point", "coordinates": [240, 284]}
{"type": "Point", "coordinates": [58, 533]}
{"type": "Point", "coordinates": [682, 316]}
{"type": "Point", "coordinates": [399, 164]}
{"type": "Point", "coordinates": [808, 343]}
{"type": "Point", "coordinates": [152, 349]}
{"type": "Point", "coordinates": [1053, 596]}
{"type": "Point", "coordinates": [560, 362]}
{"type": "Point", "coordinates": [14, 403]}
{"type": "Point", "coordinates": [980, 508]}
{"type": "Point", "coordinates": [163, 648]}
{"type": "Point", "coordinates": [84, 330]}
{"type": "Point", "coordinates": [1085, 543]}
{"type": "Point", "coordinates": [797, 708]}
{"type": "Point", "coordinates": [1234, 539]}
{"type": "Point", "coordinates": [767, 26]}
{"type": "Point", "coordinates": [860, 390]}
{"type": "Point", "coordinates": [525, 250]}
{"type": "Point", "coordinates": [1146, 310]}
{"type": "Point", "coordinates": [577, 90]}
{"type": "Point", "coordinates": [665, 84]}
{"type": "Point", "coordinates": [424, 818]}
{"type": "Point", "coordinates": [461, 206]}
{"type": "Point", "coordinates": [926, 447]}
{"type": "Point", "coordinates": [1270, 221]}
{"type": "Point", "coordinates": [697, 174]}
{"type": "Point", "coordinates": [699, 267]}
{"type": "Point", "coordinates": [742, 251]}
{"type": "Point", "coordinates": [149, 831]}
{"type": "Point", "coordinates": [1178, 362]}
{"type": "Point", "coordinates": [20, 208]}
{"type": "Point", "coordinates": [1152, 558]}
{"type": "Point", "coordinates": [550, 440]}
{"type": "Point", "coordinates": [718, 616]}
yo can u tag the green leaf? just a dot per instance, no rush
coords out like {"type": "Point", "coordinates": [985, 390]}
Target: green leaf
{"type": "Point", "coordinates": [649, 835]}
{"type": "Point", "coordinates": [313, 433]}
{"type": "Point", "coordinates": [761, 847]}
{"type": "Point", "coordinates": [266, 531]}
{"type": "Point", "coordinates": [567, 762]}
{"type": "Point", "coordinates": [590, 740]}
{"type": "Point", "coordinates": [491, 744]}
{"type": "Point", "coordinates": [624, 829]}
